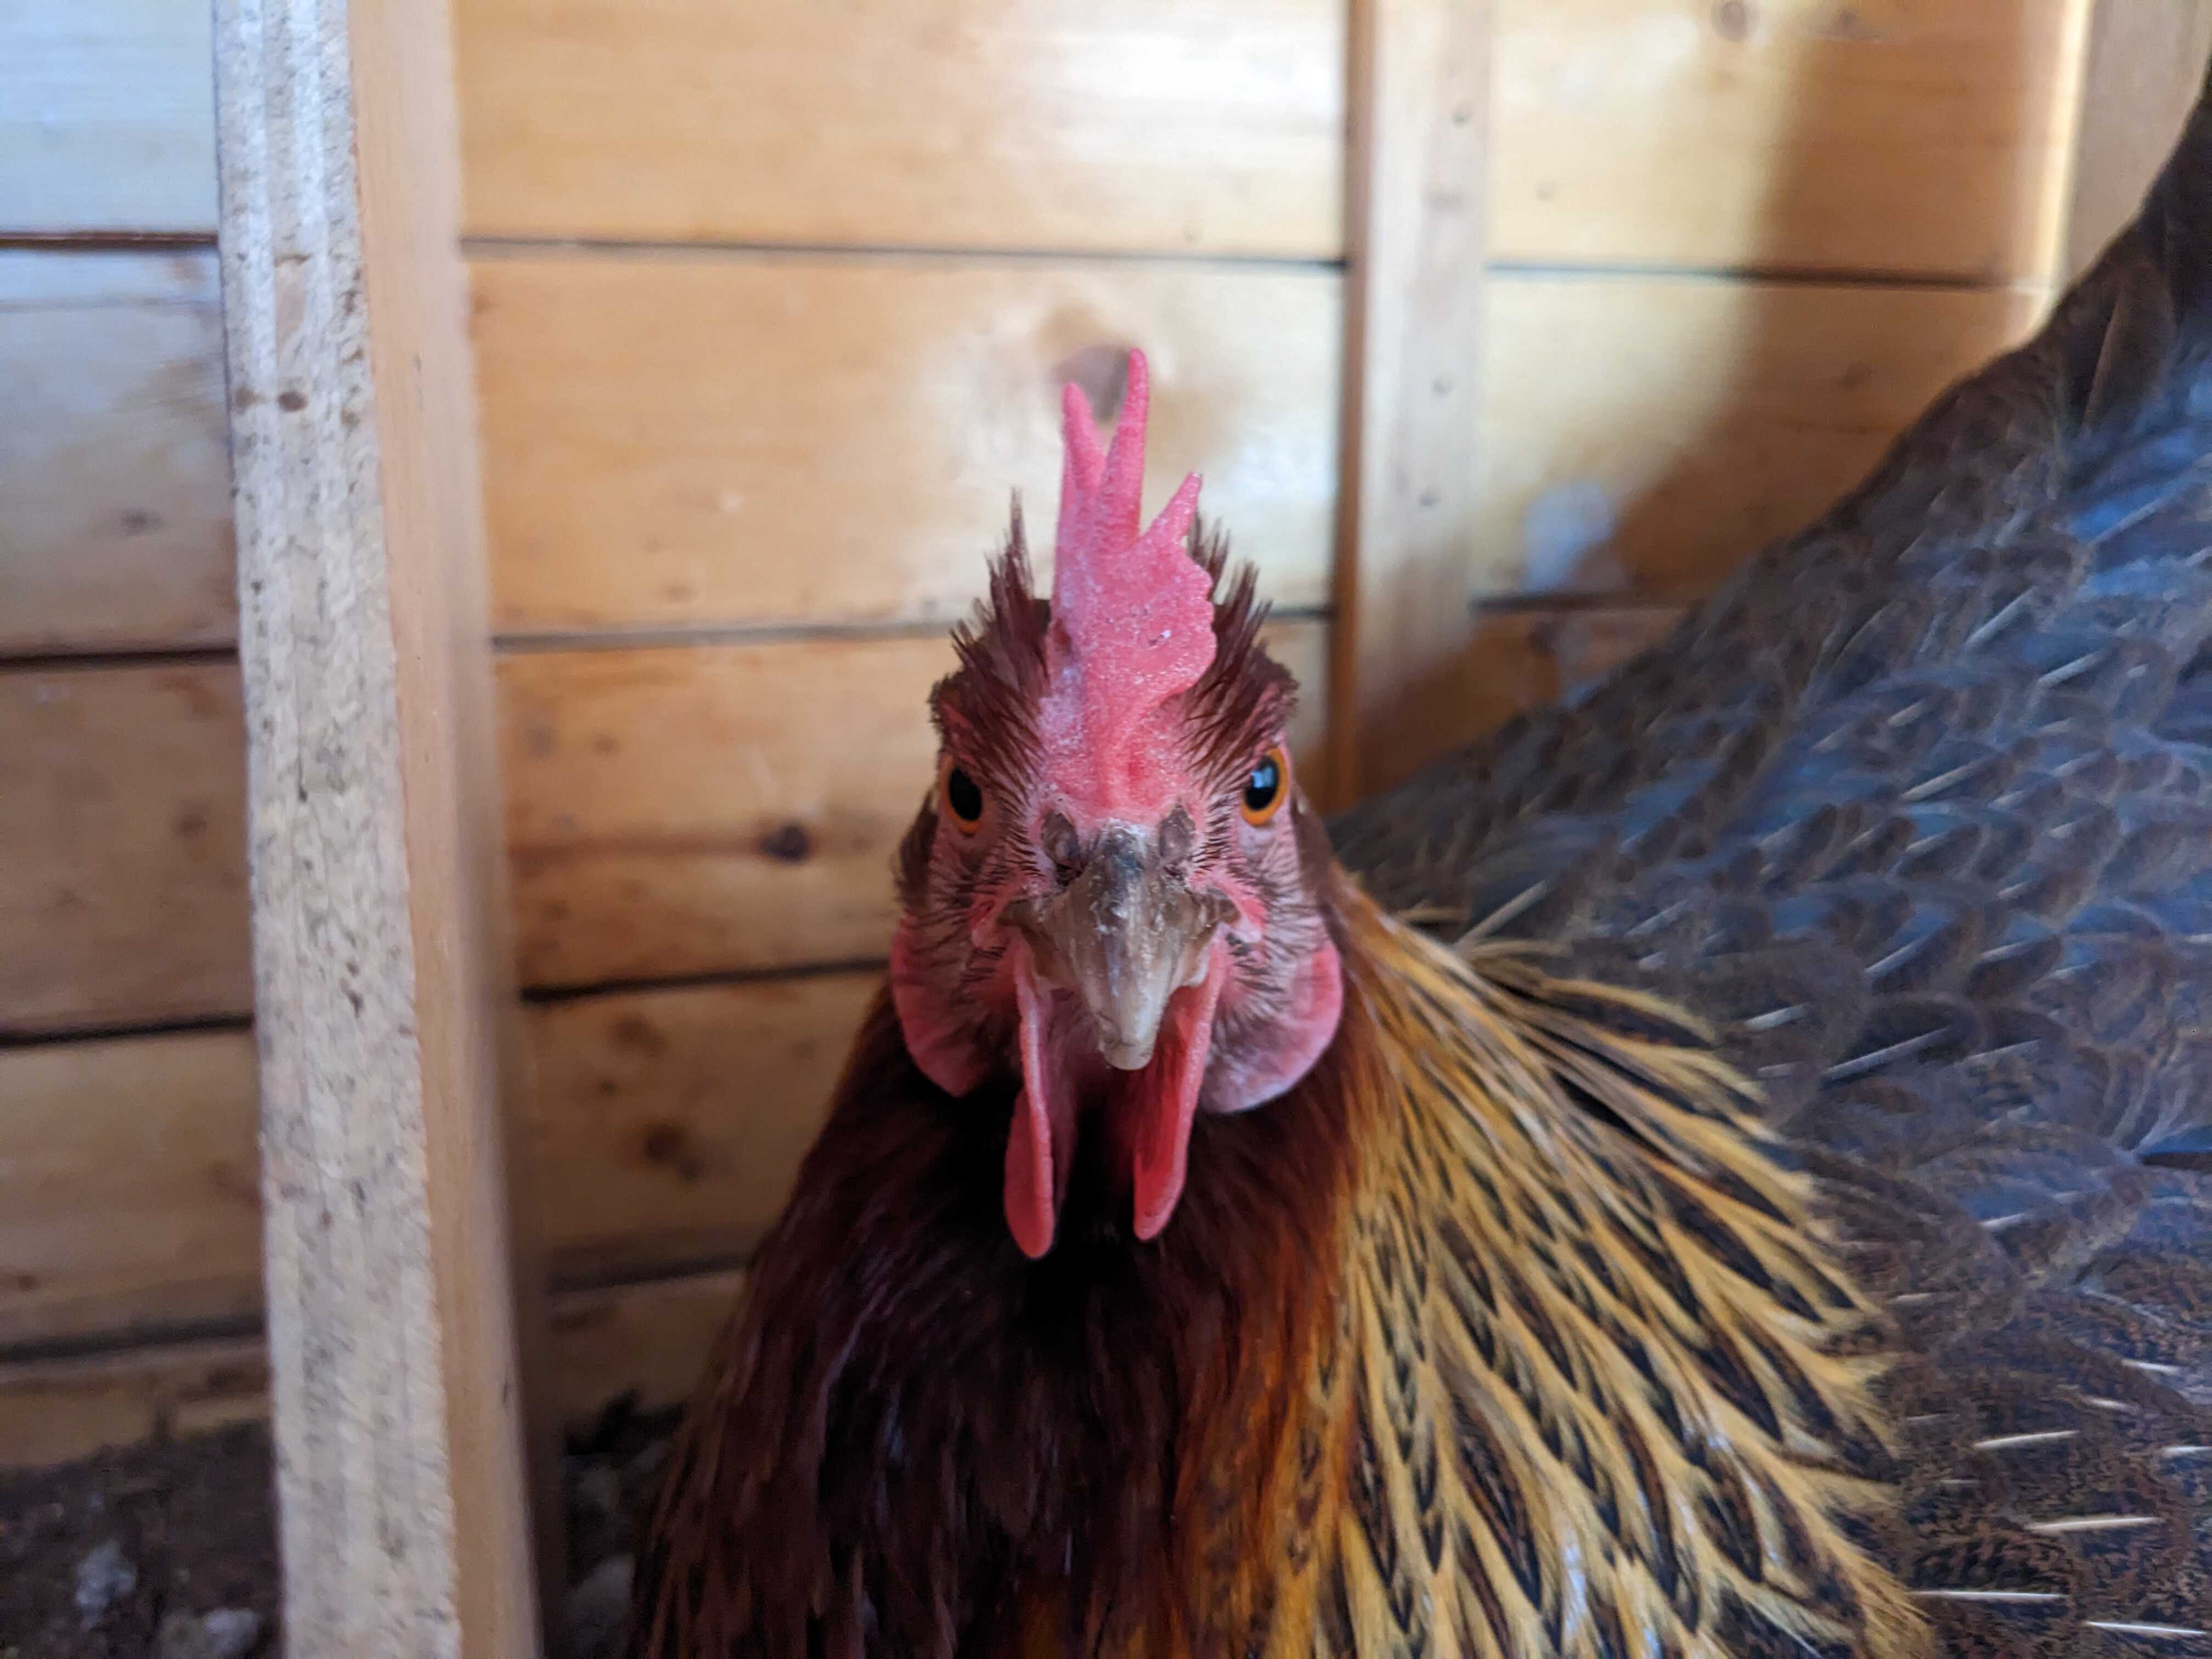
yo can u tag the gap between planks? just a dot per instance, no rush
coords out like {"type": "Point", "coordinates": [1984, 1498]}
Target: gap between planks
{"type": "Point", "coordinates": [708, 250]}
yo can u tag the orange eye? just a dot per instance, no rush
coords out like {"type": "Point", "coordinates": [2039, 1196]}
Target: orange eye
{"type": "Point", "coordinates": [959, 795]}
{"type": "Point", "coordinates": [1267, 787]}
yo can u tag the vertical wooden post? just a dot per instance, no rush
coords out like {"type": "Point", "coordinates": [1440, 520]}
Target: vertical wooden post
{"type": "Point", "coordinates": [2146, 63]}
{"type": "Point", "coordinates": [1421, 102]}
{"type": "Point", "coordinates": [380, 959]}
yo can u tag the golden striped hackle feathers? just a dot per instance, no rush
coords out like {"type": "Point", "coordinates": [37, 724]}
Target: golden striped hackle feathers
{"type": "Point", "coordinates": [1597, 1384]}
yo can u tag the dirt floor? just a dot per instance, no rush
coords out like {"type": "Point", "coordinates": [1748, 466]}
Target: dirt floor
{"type": "Point", "coordinates": [170, 1550]}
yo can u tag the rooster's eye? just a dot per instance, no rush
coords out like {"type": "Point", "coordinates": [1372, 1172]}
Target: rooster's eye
{"type": "Point", "coordinates": [1267, 787]}
{"type": "Point", "coordinates": [962, 795]}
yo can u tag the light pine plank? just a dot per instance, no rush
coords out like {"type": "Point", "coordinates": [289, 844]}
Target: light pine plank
{"type": "Point", "coordinates": [106, 118]}
{"type": "Point", "coordinates": [1886, 135]}
{"type": "Point", "coordinates": [115, 533]}
{"type": "Point", "coordinates": [1211, 126]}
{"type": "Point", "coordinates": [129, 1185]}
{"type": "Point", "coordinates": [665, 1129]}
{"type": "Point", "coordinates": [1654, 432]}
{"type": "Point", "coordinates": [2145, 66]}
{"type": "Point", "coordinates": [1406, 677]}
{"type": "Point", "coordinates": [711, 808]}
{"type": "Point", "coordinates": [777, 439]}
{"type": "Point", "coordinates": [650, 1339]}
{"type": "Point", "coordinates": [122, 882]}
{"type": "Point", "coordinates": [383, 991]}
{"type": "Point", "coordinates": [670, 1123]}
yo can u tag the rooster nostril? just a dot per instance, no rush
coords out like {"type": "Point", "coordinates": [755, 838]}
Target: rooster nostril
{"type": "Point", "coordinates": [1057, 836]}
{"type": "Point", "coordinates": [1178, 837]}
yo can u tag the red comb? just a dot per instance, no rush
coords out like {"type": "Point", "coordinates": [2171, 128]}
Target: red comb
{"type": "Point", "coordinates": [1132, 615]}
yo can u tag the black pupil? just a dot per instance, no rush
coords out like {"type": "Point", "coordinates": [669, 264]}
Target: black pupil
{"type": "Point", "coordinates": [962, 796]}
{"type": "Point", "coordinates": [1263, 786]}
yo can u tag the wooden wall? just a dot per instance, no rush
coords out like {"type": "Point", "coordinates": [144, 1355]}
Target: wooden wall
{"type": "Point", "coordinates": [772, 303]}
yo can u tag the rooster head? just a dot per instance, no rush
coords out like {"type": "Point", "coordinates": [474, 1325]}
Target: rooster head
{"type": "Point", "coordinates": [1115, 890]}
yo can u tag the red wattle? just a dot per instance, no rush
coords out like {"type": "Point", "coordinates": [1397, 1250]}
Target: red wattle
{"type": "Point", "coordinates": [1040, 1142]}
{"type": "Point", "coordinates": [1164, 1095]}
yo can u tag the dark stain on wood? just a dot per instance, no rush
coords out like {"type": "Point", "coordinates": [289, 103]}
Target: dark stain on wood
{"type": "Point", "coordinates": [788, 843]}
{"type": "Point", "coordinates": [671, 1147]}
{"type": "Point", "coordinates": [639, 1035]}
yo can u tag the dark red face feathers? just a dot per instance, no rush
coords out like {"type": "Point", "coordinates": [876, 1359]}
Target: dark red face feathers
{"type": "Point", "coordinates": [1115, 890]}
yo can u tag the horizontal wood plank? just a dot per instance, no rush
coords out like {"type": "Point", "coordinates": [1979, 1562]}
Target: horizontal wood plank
{"type": "Point", "coordinates": [1209, 126]}
{"type": "Point", "coordinates": [106, 118]}
{"type": "Point", "coordinates": [666, 1130]}
{"type": "Point", "coordinates": [708, 809]}
{"type": "Point", "coordinates": [116, 532]}
{"type": "Point", "coordinates": [129, 1185]}
{"type": "Point", "coordinates": [1653, 432]}
{"type": "Point", "coordinates": [779, 439]}
{"type": "Point", "coordinates": [650, 1339]}
{"type": "Point", "coordinates": [669, 1123]}
{"type": "Point", "coordinates": [123, 888]}
{"type": "Point", "coordinates": [1888, 135]}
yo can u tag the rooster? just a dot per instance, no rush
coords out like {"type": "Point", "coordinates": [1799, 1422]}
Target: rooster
{"type": "Point", "coordinates": [1710, 1170]}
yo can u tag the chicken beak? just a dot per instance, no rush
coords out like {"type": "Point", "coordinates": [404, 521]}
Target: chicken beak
{"type": "Point", "coordinates": [1126, 958]}
{"type": "Point", "coordinates": [1124, 937]}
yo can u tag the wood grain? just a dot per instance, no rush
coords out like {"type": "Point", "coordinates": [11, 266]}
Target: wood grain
{"type": "Point", "coordinates": [382, 994]}
{"type": "Point", "coordinates": [665, 1132]}
{"type": "Point", "coordinates": [128, 1186]}
{"type": "Point", "coordinates": [708, 809]}
{"type": "Point", "coordinates": [669, 1123]}
{"type": "Point", "coordinates": [106, 119]}
{"type": "Point", "coordinates": [650, 1339]}
{"type": "Point", "coordinates": [1885, 136]}
{"type": "Point", "coordinates": [116, 533]}
{"type": "Point", "coordinates": [2145, 65]}
{"type": "Point", "coordinates": [123, 883]}
{"type": "Point", "coordinates": [1421, 75]}
{"type": "Point", "coordinates": [1211, 126]}
{"type": "Point", "coordinates": [1653, 432]}
{"type": "Point", "coordinates": [778, 440]}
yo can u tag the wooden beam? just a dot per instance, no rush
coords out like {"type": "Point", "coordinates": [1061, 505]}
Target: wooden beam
{"type": "Point", "coordinates": [2146, 62]}
{"type": "Point", "coordinates": [380, 961]}
{"type": "Point", "coordinates": [1420, 85]}
{"type": "Point", "coordinates": [1175, 127]}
